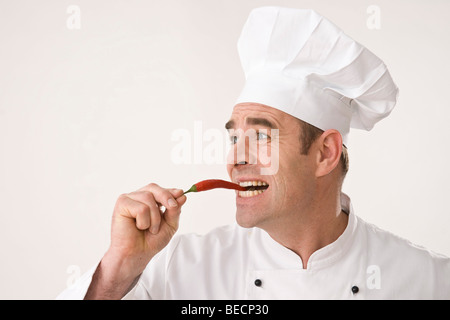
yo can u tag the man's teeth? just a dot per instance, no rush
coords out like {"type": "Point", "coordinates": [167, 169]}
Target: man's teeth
{"type": "Point", "coordinates": [252, 183]}
{"type": "Point", "coordinates": [251, 193]}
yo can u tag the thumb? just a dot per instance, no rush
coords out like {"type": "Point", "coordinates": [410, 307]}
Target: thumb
{"type": "Point", "coordinates": [172, 213]}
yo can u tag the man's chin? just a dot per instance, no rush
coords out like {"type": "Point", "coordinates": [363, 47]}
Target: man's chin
{"type": "Point", "coordinates": [245, 224]}
{"type": "Point", "coordinates": [247, 219]}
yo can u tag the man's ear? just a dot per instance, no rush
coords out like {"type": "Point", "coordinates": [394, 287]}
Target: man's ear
{"type": "Point", "coordinates": [329, 149]}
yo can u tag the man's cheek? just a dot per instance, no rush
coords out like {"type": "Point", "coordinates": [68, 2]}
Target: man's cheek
{"type": "Point", "coordinates": [269, 158]}
{"type": "Point", "coordinates": [230, 159]}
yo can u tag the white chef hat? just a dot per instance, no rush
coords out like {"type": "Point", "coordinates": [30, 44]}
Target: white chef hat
{"type": "Point", "coordinates": [300, 63]}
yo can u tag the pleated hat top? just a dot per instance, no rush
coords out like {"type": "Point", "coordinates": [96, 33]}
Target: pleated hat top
{"type": "Point", "coordinates": [299, 62]}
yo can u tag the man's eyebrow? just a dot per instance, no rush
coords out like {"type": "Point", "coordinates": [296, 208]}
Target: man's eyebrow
{"type": "Point", "coordinates": [260, 122]}
{"type": "Point", "coordinates": [252, 121]}
{"type": "Point", "coordinates": [229, 125]}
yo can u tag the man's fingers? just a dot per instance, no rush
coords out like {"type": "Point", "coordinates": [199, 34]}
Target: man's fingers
{"type": "Point", "coordinates": [154, 213]}
{"type": "Point", "coordinates": [178, 195]}
{"type": "Point", "coordinates": [131, 208]}
{"type": "Point", "coordinates": [172, 214]}
{"type": "Point", "coordinates": [153, 196]}
{"type": "Point", "coordinates": [165, 197]}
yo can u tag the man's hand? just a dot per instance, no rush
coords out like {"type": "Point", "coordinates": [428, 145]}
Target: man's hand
{"type": "Point", "coordinates": [140, 229]}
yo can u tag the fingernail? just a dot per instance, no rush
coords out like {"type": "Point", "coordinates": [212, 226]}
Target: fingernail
{"type": "Point", "coordinates": [154, 229]}
{"type": "Point", "coordinates": [172, 203]}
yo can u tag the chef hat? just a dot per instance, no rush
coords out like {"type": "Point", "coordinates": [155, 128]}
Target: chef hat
{"type": "Point", "coordinates": [300, 63]}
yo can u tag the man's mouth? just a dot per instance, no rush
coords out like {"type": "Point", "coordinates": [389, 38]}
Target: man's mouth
{"type": "Point", "coordinates": [254, 188]}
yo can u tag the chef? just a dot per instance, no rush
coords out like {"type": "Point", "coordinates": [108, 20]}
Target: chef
{"type": "Point", "coordinates": [297, 236]}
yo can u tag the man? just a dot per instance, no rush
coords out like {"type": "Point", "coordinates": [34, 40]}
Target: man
{"type": "Point", "coordinates": [297, 237]}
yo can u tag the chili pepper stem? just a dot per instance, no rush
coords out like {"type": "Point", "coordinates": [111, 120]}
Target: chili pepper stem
{"type": "Point", "coordinates": [192, 189]}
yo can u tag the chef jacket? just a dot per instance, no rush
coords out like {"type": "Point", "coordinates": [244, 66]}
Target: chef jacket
{"type": "Point", "coordinates": [232, 262]}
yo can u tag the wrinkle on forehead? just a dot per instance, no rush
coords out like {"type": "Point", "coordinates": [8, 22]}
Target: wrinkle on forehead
{"type": "Point", "coordinates": [259, 114]}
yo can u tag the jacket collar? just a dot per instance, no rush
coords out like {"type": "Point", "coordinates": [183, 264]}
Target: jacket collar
{"type": "Point", "coordinates": [322, 258]}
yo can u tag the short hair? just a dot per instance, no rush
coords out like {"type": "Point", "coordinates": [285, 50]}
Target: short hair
{"type": "Point", "coordinates": [309, 134]}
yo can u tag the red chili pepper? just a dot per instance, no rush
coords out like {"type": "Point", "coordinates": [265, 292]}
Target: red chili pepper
{"type": "Point", "coordinates": [213, 184]}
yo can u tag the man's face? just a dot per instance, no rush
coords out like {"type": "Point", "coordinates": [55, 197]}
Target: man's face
{"type": "Point", "coordinates": [290, 187]}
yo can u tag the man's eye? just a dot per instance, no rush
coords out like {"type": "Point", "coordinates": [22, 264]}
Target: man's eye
{"type": "Point", "coordinates": [262, 135]}
{"type": "Point", "coordinates": [233, 139]}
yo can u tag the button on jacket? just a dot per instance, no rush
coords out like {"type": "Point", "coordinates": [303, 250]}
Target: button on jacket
{"type": "Point", "coordinates": [231, 262]}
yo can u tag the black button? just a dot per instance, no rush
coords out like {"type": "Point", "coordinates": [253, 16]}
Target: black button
{"type": "Point", "coordinates": [355, 289]}
{"type": "Point", "coordinates": [258, 282]}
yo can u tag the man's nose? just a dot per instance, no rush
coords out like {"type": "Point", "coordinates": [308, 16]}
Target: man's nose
{"type": "Point", "coordinates": [245, 151]}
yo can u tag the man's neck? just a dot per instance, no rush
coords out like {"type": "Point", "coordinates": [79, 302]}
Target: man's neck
{"type": "Point", "coordinates": [310, 230]}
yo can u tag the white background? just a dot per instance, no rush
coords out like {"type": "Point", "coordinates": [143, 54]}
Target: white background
{"type": "Point", "coordinates": [88, 114]}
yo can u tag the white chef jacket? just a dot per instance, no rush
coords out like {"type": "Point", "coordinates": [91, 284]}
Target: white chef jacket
{"type": "Point", "coordinates": [232, 262]}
